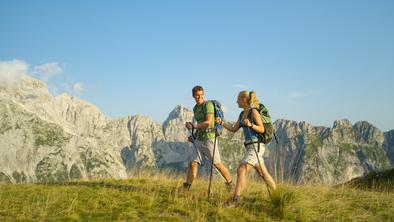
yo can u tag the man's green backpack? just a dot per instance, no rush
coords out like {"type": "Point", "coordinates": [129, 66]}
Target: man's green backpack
{"type": "Point", "coordinates": [265, 137]}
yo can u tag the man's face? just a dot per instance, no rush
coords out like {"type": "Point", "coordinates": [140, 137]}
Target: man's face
{"type": "Point", "coordinates": [199, 97]}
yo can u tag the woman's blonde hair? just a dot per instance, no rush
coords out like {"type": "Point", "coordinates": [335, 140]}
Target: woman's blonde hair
{"type": "Point", "coordinates": [251, 98]}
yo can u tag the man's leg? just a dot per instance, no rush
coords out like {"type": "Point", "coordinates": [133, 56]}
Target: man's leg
{"type": "Point", "coordinates": [208, 151]}
{"type": "Point", "coordinates": [224, 171]}
{"type": "Point", "coordinates": [192, 172]}
{"type": "Point", "coordinates": [193, 165]}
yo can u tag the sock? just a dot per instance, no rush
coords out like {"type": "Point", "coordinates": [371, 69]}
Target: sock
{"type": "Point", "coordinates": [187, 186]}
{"type": "Point", "coordinates": [236, 198]}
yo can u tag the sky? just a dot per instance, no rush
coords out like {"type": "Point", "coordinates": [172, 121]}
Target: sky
{"type": "Point", "coordinates": [313, 61]}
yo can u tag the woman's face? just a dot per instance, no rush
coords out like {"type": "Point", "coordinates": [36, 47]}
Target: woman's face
{"type": "Point", "coordinates": [199, 97]}
{"type": "Point", "coordinates": [241, 101]}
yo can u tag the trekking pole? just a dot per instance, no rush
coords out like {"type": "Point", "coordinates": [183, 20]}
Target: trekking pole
{"type": "Point", "coordinates": [212, 165]}
{"type": "Point", "coordinates": [195, 148]}
{"type": "Point", "coordinates": [258, 159]}
{"type": "Point", "coordinates": [200, 158]}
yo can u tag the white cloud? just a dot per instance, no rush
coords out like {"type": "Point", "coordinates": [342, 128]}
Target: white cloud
{"type": "Point", "coordinates": [47, 71]}
{"type": "Point", "coordinates": [297, 94]}
{"type": "Point", "coordinates": [73, 88]}
{"type": "Point", "coordinates": [78, 87]}
{"type": "Point", "coordinates": [12, 71]}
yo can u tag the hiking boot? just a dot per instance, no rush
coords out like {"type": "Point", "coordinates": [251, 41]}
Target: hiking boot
{"type": "Point", "coordinates": [229, 186]}
{"type": "Point", "coordinates": [233, 203]}
{"type": "Point", "coordinates": [186, 186]}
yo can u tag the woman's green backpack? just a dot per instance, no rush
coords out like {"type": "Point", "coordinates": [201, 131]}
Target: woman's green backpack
{"type": "Point", "coordinates": [265, 137]}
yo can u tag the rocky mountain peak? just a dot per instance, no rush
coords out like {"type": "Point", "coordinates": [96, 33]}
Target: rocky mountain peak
{"type": "Point", "coordinates": [179, 111]}
{"type": "Point", "coordinates": [174, 126]}
{"type": "Point", "coordinates": [368, 133]}
{"type": "Point", "coordinates": [26, 90]}
{"type": "Point", "coordinates": [343, 123]}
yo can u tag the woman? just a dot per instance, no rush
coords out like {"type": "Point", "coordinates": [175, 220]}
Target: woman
{"type": "Point", "coordinates": [252, 124]}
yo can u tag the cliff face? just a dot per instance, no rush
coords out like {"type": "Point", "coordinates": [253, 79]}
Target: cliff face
{"type": "Point", "coordinates": [334, 155]}
{"type": "Point", "coordinates": [54, 138]}
{"type": "Point", "coordinates": [389, 145]}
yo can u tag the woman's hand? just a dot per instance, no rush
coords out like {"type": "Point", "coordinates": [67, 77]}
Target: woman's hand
{"type": "Point", "coordinates": [248, 123]}
{"type": "Point", "coordinates": [219, 121]}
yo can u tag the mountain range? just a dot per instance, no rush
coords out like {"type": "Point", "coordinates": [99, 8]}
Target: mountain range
{"type": "Point", "coordinates": [47, 138]}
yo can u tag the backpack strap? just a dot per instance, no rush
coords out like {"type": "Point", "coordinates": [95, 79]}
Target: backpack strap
{"type": "Point", "coordinates": [251, 119]}
{"type": "Point", "coordinates": [240, 116]}
{"type": "Point", "coordinates": [250, 114]}
{"type": "Point", "coordinates": [204, 107]}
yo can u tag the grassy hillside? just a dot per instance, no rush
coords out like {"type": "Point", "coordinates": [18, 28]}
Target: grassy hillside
{"type": "Point", "coordinates": [157, 197]}
{"type": "Point", "coordinates": [380, 181]}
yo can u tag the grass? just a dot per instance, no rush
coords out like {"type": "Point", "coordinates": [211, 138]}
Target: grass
{"type": "Point", "coordinates": [380, 181]}
{"type": "Point", "coordinates": [150, 196]}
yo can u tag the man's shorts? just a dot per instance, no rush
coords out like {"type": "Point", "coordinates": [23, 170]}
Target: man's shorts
{"type": "Point", "coordinates": [205, 150]}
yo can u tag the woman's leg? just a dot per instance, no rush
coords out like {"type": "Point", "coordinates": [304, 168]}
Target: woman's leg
{"type": "Point", "coordinates": [241, 179]}
{"type": "Point", "coordinates": [263, 172]}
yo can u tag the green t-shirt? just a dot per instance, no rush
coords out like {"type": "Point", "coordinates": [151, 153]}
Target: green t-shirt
{"type": "Point", "coordinates": [204, 134]}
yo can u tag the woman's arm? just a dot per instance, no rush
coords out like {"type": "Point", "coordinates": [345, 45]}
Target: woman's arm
{"type": "Point", "coordinates": [232, 128]}
{"type": "Point", "coordinates": [257, 123]}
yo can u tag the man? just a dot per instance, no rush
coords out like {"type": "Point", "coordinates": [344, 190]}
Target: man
{"type": "Point", "coordinates": [205, 137]}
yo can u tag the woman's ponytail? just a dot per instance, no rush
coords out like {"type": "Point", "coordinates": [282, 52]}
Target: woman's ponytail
{"type": "Point", "coordinates": [253, 101]}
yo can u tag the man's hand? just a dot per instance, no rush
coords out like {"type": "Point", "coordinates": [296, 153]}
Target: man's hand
{"type": "Point", "coordinates": [190, 139]}
{"type": "Point", "coordinates": [189, 125]}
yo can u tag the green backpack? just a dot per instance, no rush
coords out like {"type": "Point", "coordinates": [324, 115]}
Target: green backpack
{"type": "Point", "coordinates": [265, 137]}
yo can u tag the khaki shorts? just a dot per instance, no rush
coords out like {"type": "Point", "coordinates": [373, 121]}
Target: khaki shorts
{"type": "Point", "coordinates": [205, 149]}
{"type": "Point", "coordinates": [250, 154]}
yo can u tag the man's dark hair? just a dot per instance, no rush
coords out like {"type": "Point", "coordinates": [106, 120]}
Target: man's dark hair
{"type": "Point", "coordinates": [196, 89]}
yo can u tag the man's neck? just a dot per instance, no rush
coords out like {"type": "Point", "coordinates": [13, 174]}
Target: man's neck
{"type": "Point", "coordinates": [201, 103]}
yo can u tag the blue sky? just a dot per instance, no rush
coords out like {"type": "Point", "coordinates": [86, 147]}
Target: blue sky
{"type": "Point", "coordinates": [314, 61]}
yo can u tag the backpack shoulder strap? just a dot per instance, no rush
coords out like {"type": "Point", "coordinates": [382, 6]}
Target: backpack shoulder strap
{"type": "Point", "coordinates": [240, 116]}
{"type": "Point", "coordinates": [250, 113]}
{"type": "Point", "coordinates": [204, 108]}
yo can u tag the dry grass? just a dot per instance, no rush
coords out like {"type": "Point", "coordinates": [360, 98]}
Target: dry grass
{"type": "Point", "coordinates": [152, 196]}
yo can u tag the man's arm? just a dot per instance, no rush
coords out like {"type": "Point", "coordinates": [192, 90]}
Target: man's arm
{"type": "Point", "coordinates": [208, 122]}
{"type": "Point", "coordinates": [209, 116]}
